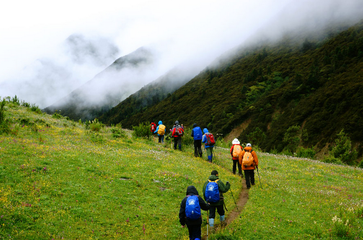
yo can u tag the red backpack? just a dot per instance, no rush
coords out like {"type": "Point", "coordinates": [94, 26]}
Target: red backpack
{"type": "Point", "coordinates": [210, 139]}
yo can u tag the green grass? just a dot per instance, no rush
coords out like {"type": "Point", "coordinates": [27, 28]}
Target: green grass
{"type": "Point", "coordinates": [60, 180]}
{"type": "Point", "coordinates": [63, 181]}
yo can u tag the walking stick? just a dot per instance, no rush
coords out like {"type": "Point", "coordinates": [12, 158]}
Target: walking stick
{"type": "Point", "coordinates": [234, 200]}
{"type": "Point", "coordinates": [259, 176]}
{"type": "Point", "coordinates": [207, 223]}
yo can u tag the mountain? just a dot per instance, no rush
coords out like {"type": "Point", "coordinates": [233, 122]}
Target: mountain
{"type": "Point", "coordinates": [315, 83]}
{"type": "Point", "coordinates": [107, 88]}
{"type": "Point", "coordinates": [149, 95]}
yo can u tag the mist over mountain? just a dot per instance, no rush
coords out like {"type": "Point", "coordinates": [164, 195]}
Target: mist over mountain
{"type": "Point", "coordinates": [123, 77]}
{"type": "Point", "coordinates": [48, 79]}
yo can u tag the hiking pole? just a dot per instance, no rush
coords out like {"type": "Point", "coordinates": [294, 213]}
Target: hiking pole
{"type": "Point", "coordinates": [207, 223]}
{"type": "Point", "coordinates": [259, 176]}
{"type": "Point", "coordinates": [234, 200]}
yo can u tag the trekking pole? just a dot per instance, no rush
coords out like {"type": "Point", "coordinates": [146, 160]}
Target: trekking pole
{"type": "Point", "coordinates": [234, 200]}
{"type": "Point", "coordinates": [259, 176]}
{"type": "Point", "coordinates": [207, 223]}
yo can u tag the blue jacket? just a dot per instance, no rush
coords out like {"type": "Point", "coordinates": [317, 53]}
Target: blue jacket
{"type": "Point", "coordinates": [197, 133]}
{"type": "Point", "coordinates": [204, 140]}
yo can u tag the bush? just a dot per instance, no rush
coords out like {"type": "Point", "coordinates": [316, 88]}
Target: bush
{"type": "Point", "coordinates": [256, 137]}
{"type": "Point", "coordinates": [4, 124]}
{"type": "Point", "coordinates": [360, 164]}
{"type": "Point", "coordinates": [117, 132]}
{"type": "Point", "coordinates": [305, 152]}
{"type": "Point", "coordinates": [143, 130]}
{"type": "Point", "coordinates": [332, 159]}
{"type": "Point", "coordinates": [292, 138]}
{"type": "Point", "coordinates": [35, 108]}
{"type": "Point", "coordinates": [343, 149]}
{"type": "Point", "coordinates": [56, 115]}
{"type": "Point", "coordinates": [95, 125]}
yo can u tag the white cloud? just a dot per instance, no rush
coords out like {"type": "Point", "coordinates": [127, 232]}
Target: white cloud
{"type": "Point", "coordinates": [195, 31]}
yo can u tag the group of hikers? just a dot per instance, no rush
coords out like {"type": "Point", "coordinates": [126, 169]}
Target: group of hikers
{"type": "Point", "coordinates": [190, 208]}
{"type": "Point", "coordinates": [177, 131]}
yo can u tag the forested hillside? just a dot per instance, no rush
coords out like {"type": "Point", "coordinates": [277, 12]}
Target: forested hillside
{"type": "Point", "coordinates": [263, 91]}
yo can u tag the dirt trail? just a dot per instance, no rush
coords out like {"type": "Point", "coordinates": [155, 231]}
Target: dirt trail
{"type": "Point", "coordinates": [232, 215]}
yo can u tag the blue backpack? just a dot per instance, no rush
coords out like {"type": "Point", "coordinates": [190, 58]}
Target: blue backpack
{"type": "Point", "coordinates": [192, 208]}
{"type": "Point", "coordinates": [198, 134]}
{"type": "Point", "coordinates": [212, 192]}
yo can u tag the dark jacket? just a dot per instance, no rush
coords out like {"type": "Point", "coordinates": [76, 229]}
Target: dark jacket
{"type": "Point", "coordinates": [191, 190]}
{"type": "Point", "coordinates": [223, 188]}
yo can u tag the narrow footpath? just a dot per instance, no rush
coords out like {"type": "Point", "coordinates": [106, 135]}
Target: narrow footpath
{"type": "Point", "coordinates": [231, 215]}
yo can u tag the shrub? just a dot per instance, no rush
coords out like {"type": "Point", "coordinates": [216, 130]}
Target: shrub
{"type": "Point", "coordinates": [332, 159]}
{"type": "Point", "coordinates": [305, 152]}
{"type": "Point", "coordinates": [95, 125]}
{"type": "Point", "coordinates": [143, 130]}
{"type": "Point", "coordinates": [4, 124]}
{"type": "Point", "coordinates": [343, 148]}
{"type": "Point", "coordinates": [292, 138]}
{"type": "Point", "coordinates": [117, 132]}
{"type": "Point", "coordinates": [56, 115]}
{"type": "Point", "coordinates": [256, 137]}
{"type": "Point", "coordinates": [35, 108]}
{"type": "Point", "coordinates": [360, 164]}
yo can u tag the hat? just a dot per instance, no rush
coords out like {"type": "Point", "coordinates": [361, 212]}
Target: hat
{"type": "Point", "coordinates": [205, 130]}
{"type": "Point", "coordinates": [176, 122]}
{"type": "Point", "coordinates": [160, 122]}
{"type": "Point", "coordinates": [235, 141]}
{"type": "Point", "coordinates": [194, 125]}
{"type": "Point", "coordinates": [248, 145]}
{"type": "Point", "coordinates": [214, 172]}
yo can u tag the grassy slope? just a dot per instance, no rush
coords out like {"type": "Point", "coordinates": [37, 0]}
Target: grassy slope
{"type": "Point", "coordinates": [98, 187]}
{"type": "Point", "coordinates": [101, 188]}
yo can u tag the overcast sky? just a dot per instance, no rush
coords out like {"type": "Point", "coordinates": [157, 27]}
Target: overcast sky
{"type": "Point", "coordinates": [32, 32]}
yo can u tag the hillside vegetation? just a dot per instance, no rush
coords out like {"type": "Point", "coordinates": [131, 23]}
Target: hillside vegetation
{"type": "Point", "coordinates": [62, 179]}
{"type": "Point", "coordinates": [315, 86]}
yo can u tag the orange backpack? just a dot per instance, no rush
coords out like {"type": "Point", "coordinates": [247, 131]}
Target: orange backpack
{"type": "Point", "coordinates": [247, 159]}
{"type": "Point", "coordinates": [237, 150]}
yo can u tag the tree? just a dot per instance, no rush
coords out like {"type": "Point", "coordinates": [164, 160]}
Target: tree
{"type": "Point", "coordinates": [343, 148]}
{"type": "Point", "coordinates": [292, 138]}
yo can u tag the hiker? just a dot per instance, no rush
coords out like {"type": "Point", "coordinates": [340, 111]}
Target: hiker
{"type": "Point", "coordinates": [177, 133]}
{"type": "Point", "coordinates": [152, 127]}
{"type": "Point", "coordinates": [190, 212]}
{"type": "Point", "coordinates": [213, 190]}
{"type": "Point", "coordinates": [161, 130]}
{"type": "Point", "coordinates": [197, 135]}
{"type": "Point", "coordinates": [209, 141]}
{"type": "Point", "coordinates": [236, 151]}
{"type": "Point", "coordinates": [249, 161]}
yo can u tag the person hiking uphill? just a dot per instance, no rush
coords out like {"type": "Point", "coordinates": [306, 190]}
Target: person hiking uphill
{"type": "Point", "coordinates": [213, 190]}
{"type": "Point", "coordinates": [209, 141]}
{"type": "Point", "coordinates": [161, 130]}
{"type": "Point", "coordinates": [236, 151]}
{"type": "Point", "coordinates": [249, 161]}
{"type": "Point", "coordinates": [197, 135]}
{"type": "Point", "coordinates": [190, 213]}
{"type": "Point", "coordinates": [152, 127]}
{"type": "Point", "coordinates": [177, 133]}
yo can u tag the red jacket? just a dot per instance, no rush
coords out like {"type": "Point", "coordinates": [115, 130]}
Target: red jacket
{"type": "Point", "coordinates": [231, 151]}
{"type": "Point", "coordinates": [255, 159]}
{"type": "Point", "coordinates": [175, 133]}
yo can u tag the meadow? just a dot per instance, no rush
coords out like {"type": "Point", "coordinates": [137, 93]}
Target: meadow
{"type": "Point", "coordinates": [61, 179]}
